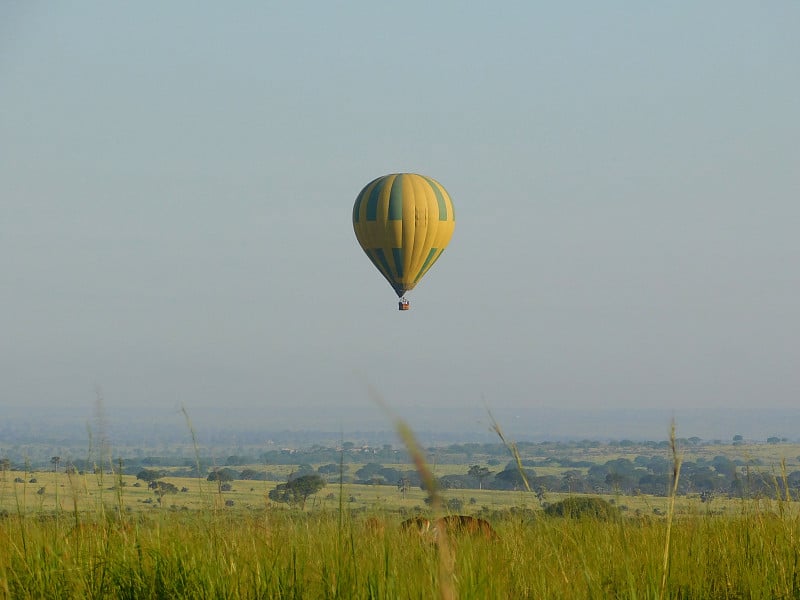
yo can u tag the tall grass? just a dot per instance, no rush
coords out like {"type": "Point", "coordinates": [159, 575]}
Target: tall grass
{"type": "Point", "coordinates": [676, 472]}
{"type": "Point", "coordinates": [512, 448]}
{"type": "Point", "coordinates": [446, 587]}
{"type": "Point", "coordinates": [226, 554]}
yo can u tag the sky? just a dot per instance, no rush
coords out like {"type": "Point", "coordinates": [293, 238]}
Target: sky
{"type": "Point", "coordinates": [176, 191]}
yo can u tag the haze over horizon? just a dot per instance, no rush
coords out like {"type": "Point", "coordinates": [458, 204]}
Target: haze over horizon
{"type": "Point", "coordinates": [177, 181]}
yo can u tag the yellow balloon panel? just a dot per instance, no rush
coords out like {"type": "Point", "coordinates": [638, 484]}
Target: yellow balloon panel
{"type": "Point", "coordinates": [403, 222]}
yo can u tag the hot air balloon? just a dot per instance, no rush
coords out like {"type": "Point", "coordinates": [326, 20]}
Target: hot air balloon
{"type": "Point", "coordinates": [403, 222]}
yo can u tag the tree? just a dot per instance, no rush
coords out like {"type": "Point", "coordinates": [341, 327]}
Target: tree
{"type": "Point", "coordinates": [794, 479]}
{"type": "Point", "coordinates": [369, 471]}
{"type": "Point", "coordinates": [404, 484]}
{"type": "Point", "coordinates": [56, 460]}
{"type": "Point", "coordinates": [479, 473]}
{"type": "Point", "coordinates": [149, 475]}
{"type": "Point", "coordinates": [222, 475]}
{"type": "Point", "coordinates": [704, 479]}
{"type": "Point", "coordinates": [617, 481]}
{"type": "Point", "coordinates": [512, 478]}
{"type": "Point", "coordinates": [656, 484]}
{"type": "Point", "coordinates": [456, 482]}
{"type": "Point", "coordinates": [572, 481]}
{"type": "Point", "coordinates": [724, 466]}
{"type": "Point", "coordinates": [161, 488]}
{"type": "Point", "coordinates": [658, 465]}
{"type": "Point", "coordinates": [298, 490]}
{"type": "Point", "coordinates": [251, 474]}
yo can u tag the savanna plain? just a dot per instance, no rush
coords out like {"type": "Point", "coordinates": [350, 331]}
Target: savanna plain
{"type": "Point", "coordinates": [572, 520]}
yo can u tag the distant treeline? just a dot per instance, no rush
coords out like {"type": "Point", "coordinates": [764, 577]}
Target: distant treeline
{"type": "Point", "coordinates": [580, 466]}
{"type": "Point", "coordinates": [645, 474]}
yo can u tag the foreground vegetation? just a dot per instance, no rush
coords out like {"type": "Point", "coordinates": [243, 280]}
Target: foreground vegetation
{"type": "Point", "coordinates": [727, 527]}
{"type": "Point", "coordinates": [283, 553]}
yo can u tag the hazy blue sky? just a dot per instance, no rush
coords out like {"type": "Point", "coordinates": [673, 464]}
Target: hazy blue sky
{"type": "Point", "coordinates": [177, 181]}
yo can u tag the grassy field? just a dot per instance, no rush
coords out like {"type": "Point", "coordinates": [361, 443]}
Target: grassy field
{"type": "Point", "coordinates": [216, 553]}
{"type": "Point", "coordinates": [100, 536]}
{"type": "Point", "coordinates": [90, 494]}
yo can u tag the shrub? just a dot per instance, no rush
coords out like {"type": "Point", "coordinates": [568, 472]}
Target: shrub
{"type": "Point", "coordinates": [455, 504]}
{"type": "Point", "coordinates": [577, 507]}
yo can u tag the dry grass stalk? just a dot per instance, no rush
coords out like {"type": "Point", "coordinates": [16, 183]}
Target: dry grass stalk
{"type": "Point", "coordinates": [676, 471]}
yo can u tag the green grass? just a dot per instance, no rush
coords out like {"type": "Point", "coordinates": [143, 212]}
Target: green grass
{"type": "Point", "coordinates": [280, 553]}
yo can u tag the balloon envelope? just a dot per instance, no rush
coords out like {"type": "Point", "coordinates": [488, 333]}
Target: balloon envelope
{"type": "Point", "coordinates": [403, 222]}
